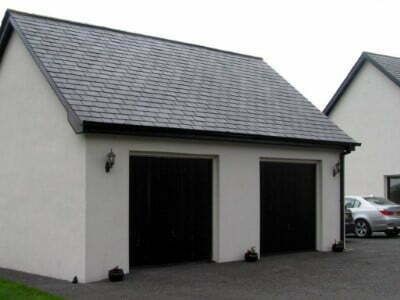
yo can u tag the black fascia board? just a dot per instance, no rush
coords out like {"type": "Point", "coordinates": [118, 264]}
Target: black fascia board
{"type": "Point", "coordinates": [132, 130]}
{"type": "Point", "coordinates": [6, 30]}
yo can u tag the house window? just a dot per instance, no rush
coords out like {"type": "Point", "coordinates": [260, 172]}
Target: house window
{"type": "Point", "coordinates": [393, 188]}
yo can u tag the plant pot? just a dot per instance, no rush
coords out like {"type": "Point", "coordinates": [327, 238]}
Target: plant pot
{"type": "Point", "coordinates": [338, 247]}
{"type": "Point", "coordinates": [251, 257]}
{"type": "Point", "coordinates": [116, 274]}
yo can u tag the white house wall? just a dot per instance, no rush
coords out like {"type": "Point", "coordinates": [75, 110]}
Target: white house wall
{"type": "Point", "coordinates": [369, 111]}
{"type": "Point", "coordinates": [42, 174]}
{"type": "Point", "coordinates": [236, 225]}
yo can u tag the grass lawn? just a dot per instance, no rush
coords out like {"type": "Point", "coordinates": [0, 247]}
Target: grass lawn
{"type": "Point", "coordinates": [11, 290]}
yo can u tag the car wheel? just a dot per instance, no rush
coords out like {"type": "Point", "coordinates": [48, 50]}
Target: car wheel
{"type": "Point", "coordinates": [391, 233]}
{"type": "Point", "coordinates": [362, 229]}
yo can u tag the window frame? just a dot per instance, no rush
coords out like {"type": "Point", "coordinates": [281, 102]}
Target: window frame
{"type": "Point", "coordinates": [387, 185]}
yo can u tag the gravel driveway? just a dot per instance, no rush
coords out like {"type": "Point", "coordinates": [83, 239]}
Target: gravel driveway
{"type": "Point", "coordinates": [370, 269]}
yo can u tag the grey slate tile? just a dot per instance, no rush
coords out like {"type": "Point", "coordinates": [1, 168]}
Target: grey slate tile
{"type": "Point", "coordinates": [116, 77]}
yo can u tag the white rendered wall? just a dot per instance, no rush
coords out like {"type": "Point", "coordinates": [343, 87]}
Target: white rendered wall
{"type": "Point", "coordinates": [369, 111]}
{"type": "Point", "coordinates": [236, 225]}
{"type": "Point", "coordinates": [42, 174]}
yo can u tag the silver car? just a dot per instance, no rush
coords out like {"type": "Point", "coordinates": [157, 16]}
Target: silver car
{"type": "Point", "coordinates": [374, 214]}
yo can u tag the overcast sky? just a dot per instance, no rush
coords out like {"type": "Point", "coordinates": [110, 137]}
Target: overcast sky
{"type": "Point", "coordinates": [313, 44]}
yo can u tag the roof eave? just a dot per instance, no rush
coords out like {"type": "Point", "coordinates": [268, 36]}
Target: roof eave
{"type": "Point", "coordinates": [134, 130]}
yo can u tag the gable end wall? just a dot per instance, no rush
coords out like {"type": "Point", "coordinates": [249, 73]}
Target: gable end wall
{"type": "Point", "coordinates": [42, 174]}
{"type": "Point", "coordinates": [369, 111]}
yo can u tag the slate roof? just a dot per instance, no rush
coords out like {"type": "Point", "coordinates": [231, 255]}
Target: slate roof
{"type": "Point", "coordinates": [107, 76]}
{"type": "Point", "coordinates": [388, 65]}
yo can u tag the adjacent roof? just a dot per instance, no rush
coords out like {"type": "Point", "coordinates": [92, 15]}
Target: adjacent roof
{"type": "Point", "coordinates": [115, 81]}
{"type": "Point", "coordinates": [388, 65]}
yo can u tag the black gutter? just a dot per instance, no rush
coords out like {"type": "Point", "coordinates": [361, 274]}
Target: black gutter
{"type": "Point", "coordinates": [133, 130]}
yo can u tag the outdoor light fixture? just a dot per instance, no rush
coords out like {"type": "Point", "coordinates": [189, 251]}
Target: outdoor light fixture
{"type": "Point", "coordinates": [110, 160]}
{"type": "Point", "coordinates": [336, 169]}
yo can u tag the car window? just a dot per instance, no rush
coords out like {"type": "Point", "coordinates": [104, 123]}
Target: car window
{"type": "Point", "coordinates": [356, 204]}
{"type": "Point", "coordinates": [379, 201]}
{"type": "Point", "coordinates": [349, 203]}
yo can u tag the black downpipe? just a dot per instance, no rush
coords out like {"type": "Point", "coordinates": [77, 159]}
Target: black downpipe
{"type": "Point", "coordinates": [342, 229]}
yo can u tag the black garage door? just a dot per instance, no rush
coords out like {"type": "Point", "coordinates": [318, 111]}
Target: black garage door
{"type": "Point", "coordinates": [287, 207]}
{"type": "Point", "coordinates": [170, 210]}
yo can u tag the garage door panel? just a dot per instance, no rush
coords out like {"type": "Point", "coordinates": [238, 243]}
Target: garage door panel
{"type": "Point", "coordinates": [171, 209]}
{"type": "Point", "coordinates": [287, 206]}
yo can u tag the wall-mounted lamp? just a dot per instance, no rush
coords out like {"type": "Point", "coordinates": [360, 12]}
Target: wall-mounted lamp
{"type": "Point", "coordinates": [110, 160]}
{"type": "Point", "coordinates": [336, 169]}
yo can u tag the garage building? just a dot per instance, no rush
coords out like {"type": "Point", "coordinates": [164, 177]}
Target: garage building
{"type": "Point", "coordinates": [130, 150]}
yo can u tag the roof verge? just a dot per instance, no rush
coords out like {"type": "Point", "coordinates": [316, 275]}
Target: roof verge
{"type": "Point", "coordinates": [8, 26]}
{"type": "Point", "coordinates": [365, 57]}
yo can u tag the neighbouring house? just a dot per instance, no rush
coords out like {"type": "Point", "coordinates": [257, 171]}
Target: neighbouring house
{"type": "Point", "coordinates": [125, 149]}
{"type": "Point", "coordinates": [367, 106]}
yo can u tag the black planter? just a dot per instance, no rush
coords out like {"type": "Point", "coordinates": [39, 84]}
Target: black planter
{"type": "Point", "coordinates": [116, 274]}
{"type": "Point", "coordinates": [251, 257]}
{"type": "Point", "coordinates": [338, 247]}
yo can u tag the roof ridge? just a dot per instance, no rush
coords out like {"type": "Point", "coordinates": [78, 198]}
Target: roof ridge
{"type": "Point", "coordinates": [369, 53]}
{"type": "Point", "coordinates": [10, 11]}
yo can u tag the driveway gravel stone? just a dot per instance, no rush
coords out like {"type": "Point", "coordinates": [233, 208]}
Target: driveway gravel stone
{"type": "Point", "coordinates": [369, 269]}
